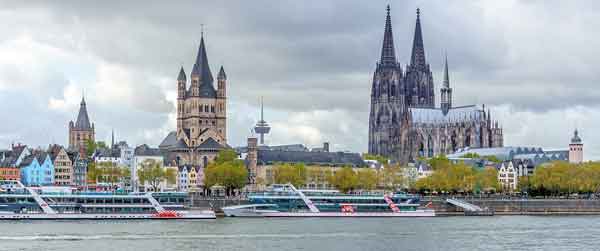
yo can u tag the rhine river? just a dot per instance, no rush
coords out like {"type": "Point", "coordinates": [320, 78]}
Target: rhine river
{"type": "Point", "coordinates": [439, 233]}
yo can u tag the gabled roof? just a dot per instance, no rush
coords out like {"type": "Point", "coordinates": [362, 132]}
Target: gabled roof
{"type": "Point", "coordinates": [454, 114]}
{"type": "Point", "coordinates": [169, 141]}
{"type": "Point", "coordinates": [28, 160]}
{"type": "Point", "coordinates": [145, 150]}
{"type": "Point", "coordinates": [210, 144]}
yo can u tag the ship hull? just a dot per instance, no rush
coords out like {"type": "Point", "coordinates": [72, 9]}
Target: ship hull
{"type": "Point", "coordinates": [191, 216]}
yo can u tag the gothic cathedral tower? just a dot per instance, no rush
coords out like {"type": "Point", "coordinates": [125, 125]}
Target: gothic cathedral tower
{"type": "Point", "coordinates": [388, 96]}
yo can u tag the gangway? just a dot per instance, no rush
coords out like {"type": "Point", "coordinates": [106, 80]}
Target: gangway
{"type": "Point", "coordinates": [470, 209]}
{"type": "Point", "coordinates": [391, 204]}
{"type": "Point", "coordinates": [38, 199]}
{"type": "Point", "coordinates": [157, 206]}
{"type": "Point", "coordinates": [306, 200]}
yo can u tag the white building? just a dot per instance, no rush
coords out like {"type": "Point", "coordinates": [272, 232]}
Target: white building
{"type": "Point", "coordinates": [508, 176]}
{"type": "Point", "coordinates": [143, 153]}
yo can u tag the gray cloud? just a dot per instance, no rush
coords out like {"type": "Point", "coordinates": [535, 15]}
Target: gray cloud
{"type": "Point", "coordinates": [306, 58]}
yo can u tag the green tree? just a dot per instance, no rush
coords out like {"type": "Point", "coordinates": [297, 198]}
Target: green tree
{"type": "Point", "coordinates": [295, 174]}
{"type": "Point", "coordinates": [439, 162]}
{"type": "Point", "coordinates": [153, 174]}
{"type": "Point", "coordinates": [227, 171]}
{"type": "Point", "coordinates": [345, 179]}
{"type": "Point", "coordinates": [91, 146]}
{"type": "Point", "coordinates": [391, 177]}
{"type": "Point", "coordinates": [367, 179]}
{"type": "Point", "coordinates": [487, 179]}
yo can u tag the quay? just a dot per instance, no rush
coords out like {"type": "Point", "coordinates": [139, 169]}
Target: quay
{"type": "Point", "coordinates": [500, 206]}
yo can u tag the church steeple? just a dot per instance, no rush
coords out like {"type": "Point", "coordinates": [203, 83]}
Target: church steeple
{"type": "Point", "coordinates": [446, 91]}
{"type": "Point", "coordinates": [446, 77]}
{"type": "Point", "coordinates": [201, 75]}
{"type": "Point", "coordinates": [83, 121]}
{"type": "Point", "coordinates": [417, 59]}
{"type": "Point", "coordinates": [388, 54]}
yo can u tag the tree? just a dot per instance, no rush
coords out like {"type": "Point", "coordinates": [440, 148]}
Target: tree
{"type": "Point", "coordinates": [391, 177]}
{"type": "Point", "coordinates": [439, 162]}
{"type": "Point", "coordinates": [91, 146]}
{"type": "Point", "coordinates": [227, 171]}
{"type": "Point", "coordinates": [153, 174]}
{"type": "Point", "coordinates": [290, 173]}
{"type": "Point", "coordinates": [345, 179]}
{"type": "Point", "coordinates": [367, 179]}
{"type": "Point", "coordinates": [487, 179]}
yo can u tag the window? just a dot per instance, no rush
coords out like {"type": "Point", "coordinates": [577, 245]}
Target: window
{"type": "Point", "coordinates": [205, 108]}
{"type": "Point", "coordinates": [212, 108]}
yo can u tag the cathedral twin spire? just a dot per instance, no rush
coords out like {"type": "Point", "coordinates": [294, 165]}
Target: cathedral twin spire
{"type": "Point", "coordinates": [417, 59]}
{"type": "Point", "coordinates": [388, 54]}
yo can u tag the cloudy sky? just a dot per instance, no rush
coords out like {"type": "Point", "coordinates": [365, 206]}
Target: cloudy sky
{"type": "Point", "coordinates": [535, 63]}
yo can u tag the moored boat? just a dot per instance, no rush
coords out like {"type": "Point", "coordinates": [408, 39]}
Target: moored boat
{"type": "Point", "coordinates": [18, 202]}
{"type": "Point", "coordinates": [287, 201]}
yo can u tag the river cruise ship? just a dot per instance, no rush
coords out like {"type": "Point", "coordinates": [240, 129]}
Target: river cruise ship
{"type": "Point", "coordinates": [287, 201]}
{"type": "Point", "coordinates": [18, 202]}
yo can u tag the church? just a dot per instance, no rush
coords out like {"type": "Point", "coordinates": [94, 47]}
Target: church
{"type": "Point", "coordinates": [404, 122]}
{"type": "Point", "coordinates": [201, 116]}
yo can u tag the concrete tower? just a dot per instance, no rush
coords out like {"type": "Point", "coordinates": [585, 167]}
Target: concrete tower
{"type": "Point", "coordinates": [262, 127]}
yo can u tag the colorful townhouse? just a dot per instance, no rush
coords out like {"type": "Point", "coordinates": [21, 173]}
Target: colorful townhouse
{"type": "Point", "coordinates": [37, 169]}
{"type": "Point", "coordinates": [63, 165]}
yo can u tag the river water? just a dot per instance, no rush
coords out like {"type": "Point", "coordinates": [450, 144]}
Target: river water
{"type": "Point", "coordinates": [439, 233]}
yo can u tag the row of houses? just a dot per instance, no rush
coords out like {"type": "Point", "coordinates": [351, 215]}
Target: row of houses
{"type": "Point", "coordinates": [55, 166]}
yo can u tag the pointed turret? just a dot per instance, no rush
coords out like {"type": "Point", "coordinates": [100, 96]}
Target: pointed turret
{"type": "Point", "coordinates": [83, 121]}
{"type": "Point", "coordinates": [222, 74]}
{"type": "Point", "coordinates": [417, 59]}
{"type": "Point", "coordinates": [388, 54]}
{"type": "Point", "coordinates": [181, 76]}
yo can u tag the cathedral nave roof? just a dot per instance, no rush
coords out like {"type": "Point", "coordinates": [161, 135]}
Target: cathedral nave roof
{"type": "Point", "coordinates": [437, 116]}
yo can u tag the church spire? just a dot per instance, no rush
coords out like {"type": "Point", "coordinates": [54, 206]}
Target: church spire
{"type": "Point", "coordinates": [417, 59]}
{"type": "Point", "coordinates": [83, 121]}
{"type": "Point", "coordinates": [201, 66]}
{"type": "Point", "coordinates": [446, 77]}
{"type": "Point", "coordinates": [388, 55]}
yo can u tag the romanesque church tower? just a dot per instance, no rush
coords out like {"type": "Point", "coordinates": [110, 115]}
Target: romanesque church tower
{"type": "Point", "coordinates": [81, 130]}
{"type": "Point", "coordinates": [201, 114]}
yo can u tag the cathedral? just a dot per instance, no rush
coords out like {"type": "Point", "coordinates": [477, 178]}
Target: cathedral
{"type": "Point", "coordinates": [201, 115]}
{"type": "Point", "coordinates": [405, 124]}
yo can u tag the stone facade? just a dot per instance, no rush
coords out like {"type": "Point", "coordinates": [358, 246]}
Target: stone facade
{"type": "Point", "coordinates": [576, 149]}
{"type": "Point", "coordinates": [201, 116]}
{"type": "Point", "coordinates": [81, 130]}
{"type": "Point", "coordinates": [404, 123]}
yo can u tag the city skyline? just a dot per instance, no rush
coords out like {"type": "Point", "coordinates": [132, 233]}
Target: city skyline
{"type": "Point", "coordinates": [315, 80]}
